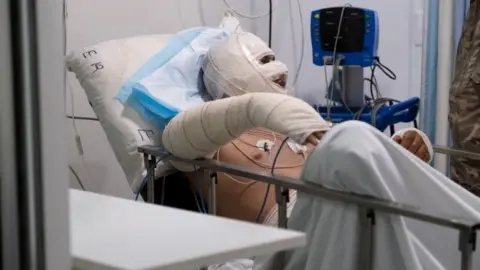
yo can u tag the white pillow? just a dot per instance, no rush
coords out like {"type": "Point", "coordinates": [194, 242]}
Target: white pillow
{"type": "Point", "coordinates": [101, 70]}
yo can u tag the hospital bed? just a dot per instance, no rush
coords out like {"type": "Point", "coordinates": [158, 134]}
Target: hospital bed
{"type": "Point", "coordinates": [114, 118]}
{"type": "Point", "coordinates": [369, 206]}
{"type": "Point", "coordinates": [95, 66]}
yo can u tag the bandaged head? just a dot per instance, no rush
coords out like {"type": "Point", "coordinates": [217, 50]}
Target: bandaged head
{"type": "Point", "coordinates": [241, 64]}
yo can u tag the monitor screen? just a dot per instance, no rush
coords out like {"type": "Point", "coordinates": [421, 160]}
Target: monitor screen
{"type": "Point", "coordinates": [352, 31]}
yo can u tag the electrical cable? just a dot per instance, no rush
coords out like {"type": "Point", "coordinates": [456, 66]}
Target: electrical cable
{"type": "Point", "coordinates": [259, 133]}
{"type": "Point", "coordinates": [180, 17]}
{"type": "Point", "coordinates": [66, 86]}
{"type": "Point", "coordinates": [196, 198]}
{"type": "Point", "coordinates": [302, 48]}
{"type": "Point", "coordinates": [376, 107]}
{"type": "Point", "coordinates": [378, 101]}
{"type": "Point", "coordinates": [77, 177]}
{"type": "Point", "coordinates": [270, 22]}
{"type": "Point", "coordinates": [335, 65]}
{"type": "Point", "coordinates": [145, 179]}
{"type": "Point", "coordinates": [251, 16]}
{"type": "Point", "coordinates": [199, 183]}
{"type": "Point", "coordinates": [278, 154]}
{"type": "Point", "coordinates": [72, 104]}
{"type": "Point", "coordinates": [83, 118]}
{"type": "Point", "coordinates": [392, 127]}
{"type": "Point", "coordinates": [373, 80]}
{"type": "Point", "coordinates": [264, 165]}
{"type": "Point", "coordinates": [64, 29]}
{"type": "Point", "coordinates": [264, 202]}
{"type": "Point", "coordinates": [78, 140]}
{"type": "Point", "coordinates": [162, 198]}
{"type": "Point", "coordinates": [258, 163]}
{"type": "Point", "coordinates": [234, 179]}
{"type": "Point", "coordinates": [66, 83]}
{"type": "Point", "coordinates": [271, 9]}
{"type": "Point", "coordinates": [387, 71]}
{"type": "Point", "coordinates": [373, 104]}
{"type": "Point", "coordinates": [373, 85]}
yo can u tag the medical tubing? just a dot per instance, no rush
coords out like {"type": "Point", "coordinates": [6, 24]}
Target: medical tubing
{"type": "Point", "coordinates": [201, 130]}
{"type": "Point", "coordinates": [270, 22]}
{"type": "Point", "coordinates": [75, 174]}
{"type": "Point", "coordinates": [302, 47]}
{"type": "Point", "coordinates": [264, 202]}
{"type": "Point", "coordinates": [246, 16]}
{"type": "Point", "coordinates": [83, 118]}
{"type": "Point", "coordinates": [392, 127]}
{"type": "Point", "coordinates": [144, 182]}
{"type": "Point", "coordinates": [199, 186]}
{"type": "Point", "coordinates": [195, 198]}
{"type": "Point", "coordinates": [387, 71]}
{"type": "Point", "coordinates": [336, 63]}
{"type": "Point", "coordinates": [162, 199]}
{"type": "Point", "coordinates": [278, 154]}
{"type": "Point", "coordinates": [373, 85]}
{"type": "Point", "coordinates": [377, 105]}
{"type": "Point", "coordinates": [372, 80]}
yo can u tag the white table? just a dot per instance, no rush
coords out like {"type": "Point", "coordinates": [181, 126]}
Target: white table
{"type": "Point", "coordinates": [114, 233]}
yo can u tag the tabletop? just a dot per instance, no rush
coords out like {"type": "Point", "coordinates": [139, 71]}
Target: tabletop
{"type": "Point", "coordinates": [114, 233]}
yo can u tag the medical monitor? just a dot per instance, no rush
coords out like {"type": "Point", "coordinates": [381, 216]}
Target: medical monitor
{"type": "Point", "coordinates": [357, 33]}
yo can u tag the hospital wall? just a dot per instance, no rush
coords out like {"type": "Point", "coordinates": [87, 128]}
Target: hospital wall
{"type": "Point", "coordinates": [92, 21]}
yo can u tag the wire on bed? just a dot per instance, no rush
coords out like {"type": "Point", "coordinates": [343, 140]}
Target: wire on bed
{"type": "Point", "coordinates": [192, 187]}
{"type": "Point", "coordinates": [199, 184]}
{"type": "Point", "coordinates": [77, 177]}
{"type": "Point", "coordinates": [145, 179]}
{"type": "Point", "coordinates": [259, 214]}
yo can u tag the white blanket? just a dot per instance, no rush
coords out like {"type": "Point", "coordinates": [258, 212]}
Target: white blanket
{"type": "Point", "coordinates": [355, 157]}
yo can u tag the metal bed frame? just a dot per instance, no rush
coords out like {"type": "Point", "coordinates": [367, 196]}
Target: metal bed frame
{"type": "Point", "coordinates": [368, 205]}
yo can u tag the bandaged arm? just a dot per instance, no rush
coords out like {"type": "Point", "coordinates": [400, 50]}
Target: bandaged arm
{"type": "Point", "coordinates": [200, 131]}
{"type": "Point", "coordinates": [424, 136]}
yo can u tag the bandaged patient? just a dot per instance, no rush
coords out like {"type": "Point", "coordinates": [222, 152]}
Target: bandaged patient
{"type": "Point", "coordinates": [245, 124]}
{"type": "Point", "coordinates": [248, 128]}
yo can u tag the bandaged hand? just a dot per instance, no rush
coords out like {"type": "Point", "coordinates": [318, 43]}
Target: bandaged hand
{"type": "Point", "coordinates": [315, 137]}
{"type": "Point", "coordinates": [414, 143]}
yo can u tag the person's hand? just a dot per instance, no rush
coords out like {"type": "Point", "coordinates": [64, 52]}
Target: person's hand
{"type": "Point", "coordinates": [414, 143]}
{"type": "Point", "coordinates": [315, 137]}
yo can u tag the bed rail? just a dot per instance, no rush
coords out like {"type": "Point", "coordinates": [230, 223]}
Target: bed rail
{"type": "Point", "coordinates": [368, 205]}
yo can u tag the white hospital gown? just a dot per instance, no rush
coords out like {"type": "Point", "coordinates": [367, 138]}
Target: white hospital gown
{"type": "Point", "coordinates": [355, 157]}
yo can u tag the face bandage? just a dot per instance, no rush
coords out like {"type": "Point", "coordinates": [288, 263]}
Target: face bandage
{"type": "Point", "coordinates": [241, 64]}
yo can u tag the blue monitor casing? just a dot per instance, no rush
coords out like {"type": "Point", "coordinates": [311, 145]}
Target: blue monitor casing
{"type": "Point", "coordinates": [358, 39]}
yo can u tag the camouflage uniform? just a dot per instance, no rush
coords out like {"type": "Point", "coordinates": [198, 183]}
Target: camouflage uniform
{"type": "Point", "coordinates": [464, 116]}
